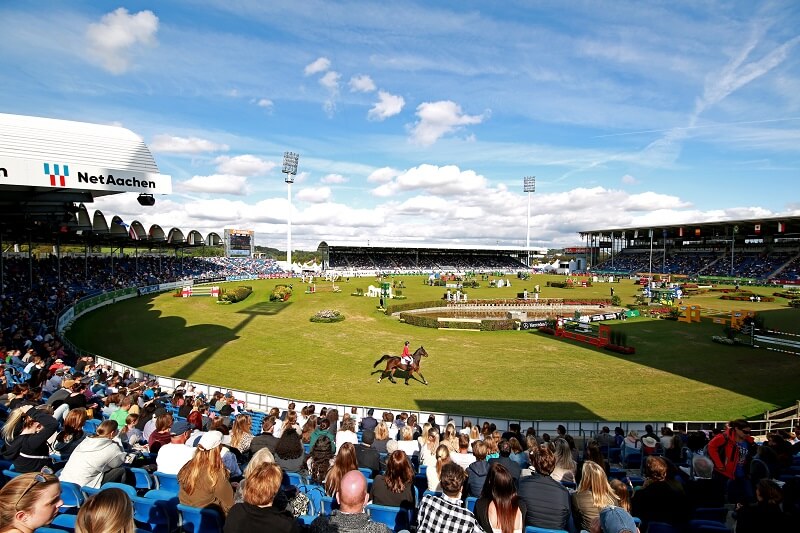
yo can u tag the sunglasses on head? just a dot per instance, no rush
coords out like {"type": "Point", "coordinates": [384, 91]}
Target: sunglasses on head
{"type": "Point", "coordinates": [38, 478]}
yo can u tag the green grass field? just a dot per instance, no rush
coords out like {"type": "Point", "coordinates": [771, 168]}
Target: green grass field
{"type": "Point", "coordinates": [676, 374]}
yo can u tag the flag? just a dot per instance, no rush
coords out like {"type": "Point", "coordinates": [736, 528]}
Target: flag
{"type": "Point", "coordinates": [131, 232]}
{"type": "Point", "coordinates": [680, 232]}
{"type": "Point", "coordinates": [665, 233]}
{"type": "Point", "coordinates": [697, 232]}
{"type": "Point", "coordinates": [636, 234]}
{"type": "Point", "coordinates": [651, 234]}
{"type": "Point", "coordinates": [781, 227]}
{"type": "Point", "coordinates": [758, 229]}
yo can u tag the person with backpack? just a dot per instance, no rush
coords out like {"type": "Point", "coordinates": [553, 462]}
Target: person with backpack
{"type": "Point", "coordinates": [730, 452]}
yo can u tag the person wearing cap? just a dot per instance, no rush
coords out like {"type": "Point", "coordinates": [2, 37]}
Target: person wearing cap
{"type": "Point", "coordinates": [406, 357]}
{"type": "Point", "coordinates": [730, 451]}
{"type": "Point", "coordinates": [204, 479]}
{"type": "Point", "coordinates": [173, 455]}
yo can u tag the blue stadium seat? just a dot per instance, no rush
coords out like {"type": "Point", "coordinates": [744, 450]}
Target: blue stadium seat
{"type": "Point", "coordinates": [295, 479]}
{"type": "Point", "coordinates": [713, 514]}
{"type": "Point", "coordinates": [471, 503]}
{"type": "Point", "coordinates": [64, 522]}
{"type": "Point", "coordinates": [72, 496]}
{"type": "Point", "coordinates": [167, 481]}
{"type": "Point", "coordinates": [396, 518]}
{"type": "Point", "coordinates": [366, 471]}
{"type": "Point", "coordinates": [534, 529]}
{"type": "Point", "coordinates": [152, 515]}
{"type": "Point", "coordinates": [329, 504]}
{"type": "Point", "coordinates": [143, 481]}
{"type": "Point", "coordinates": [197, 520]}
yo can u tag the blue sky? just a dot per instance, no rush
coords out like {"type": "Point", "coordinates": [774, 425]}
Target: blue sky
{"type": "Point", "coordinates": [417, 121]}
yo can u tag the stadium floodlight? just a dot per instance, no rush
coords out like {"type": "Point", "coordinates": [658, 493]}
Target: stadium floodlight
{"type": "Point", "coordinates": [529, 186]}
{"type": "Point", "coordinates": [290, 160]}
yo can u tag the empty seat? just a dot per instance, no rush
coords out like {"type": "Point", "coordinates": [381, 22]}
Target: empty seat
{"type": "Point", "coordinates": [197, 520]}
{"type": "Point", "coordinates": [167, 481]}
{"type": "Point", "coordinates": [396, 518]}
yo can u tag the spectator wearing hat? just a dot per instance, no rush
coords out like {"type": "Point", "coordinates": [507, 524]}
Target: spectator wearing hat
{"type": "Point", "coordinates": [204, 479]}
{"type": "Point", "coordinates": [366, 455]}
{"type": "Point", "coordinates": [649, 445]}
{"type": "Point", "coordinates": [173, 455]}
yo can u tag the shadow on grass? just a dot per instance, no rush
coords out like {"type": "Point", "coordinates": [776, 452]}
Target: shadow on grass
{"type": "Point", "coordinates": [533, 410]}
{"type": "Point", "coordinates": [687, 350]}
{"type": "Point", "coordinates": [265, 308]}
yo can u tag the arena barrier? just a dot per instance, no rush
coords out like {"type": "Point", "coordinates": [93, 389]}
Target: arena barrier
{"type": "Point", "coordinates": [200, 290]}
{"type": "Point", "coordinates": [776, 341]}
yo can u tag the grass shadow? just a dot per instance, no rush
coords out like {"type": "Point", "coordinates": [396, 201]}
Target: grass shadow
{"type": "Point", "coordinates": [534, 410]}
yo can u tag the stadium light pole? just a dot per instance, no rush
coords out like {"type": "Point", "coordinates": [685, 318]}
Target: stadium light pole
{"type": "Point", "coordinates": [290, 160]}
{"type": "Point", "coordinates": [529, 186]}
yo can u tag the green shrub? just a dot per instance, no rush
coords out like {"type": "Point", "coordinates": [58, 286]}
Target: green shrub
{"type": "Point", "coordinates": [459, 325]}
{"type": "Point", "coordinates": [327, 316]}
{"type": "Point", "coordinates": [418, 320]}
{"type": "Point", "coordinates": [236, 294]}
{"type": "Point", "coordinates": [280, 293]}
{"type": "Point", "coordinates": [399, 308]}
{"type": "Point", "coordinates": [498, 325]}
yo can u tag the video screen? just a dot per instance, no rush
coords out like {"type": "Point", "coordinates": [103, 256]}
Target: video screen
{"type": "Point", "coordinates": [240, 242]}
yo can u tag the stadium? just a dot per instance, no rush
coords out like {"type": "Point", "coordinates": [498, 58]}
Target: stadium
{"type": "Point", "coordinates": [149, 310]}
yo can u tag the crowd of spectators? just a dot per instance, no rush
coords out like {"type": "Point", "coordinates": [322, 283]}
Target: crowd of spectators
{"type": "Point", "coordinates": [266, 468]}
{"type": "Point", "coordinates": [745, 264]}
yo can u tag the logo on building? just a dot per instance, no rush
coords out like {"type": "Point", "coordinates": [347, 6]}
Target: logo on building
{"type": "Point", "coordinates": [56, 173]}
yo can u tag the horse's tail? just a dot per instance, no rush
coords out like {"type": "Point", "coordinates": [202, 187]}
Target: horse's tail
{"type": "Point", "coordinates": [382, 359]}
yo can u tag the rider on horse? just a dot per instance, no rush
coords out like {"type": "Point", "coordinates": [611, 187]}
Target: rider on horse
{"type": "Point", "coordinates": [406, 358]}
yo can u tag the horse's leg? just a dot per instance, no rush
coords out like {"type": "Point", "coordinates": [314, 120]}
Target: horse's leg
{"type": "Point", "coordinates": [391, 374]}
{"type": "Point", "coordinates": [424, 381]}
{"type": "Point", "coordinates": [380, 377]}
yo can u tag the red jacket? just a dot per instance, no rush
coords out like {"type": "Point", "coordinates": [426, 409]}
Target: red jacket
{"type": "Point", "coordinates": [724, 452]}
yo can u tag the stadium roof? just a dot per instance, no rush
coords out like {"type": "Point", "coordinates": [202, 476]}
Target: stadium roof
{"type": "Point", "coordinates": [786, 225]}
{"type": "Point", "coordinates": [424, 246]}
{"type": "Point", "coordinates": [47, 166]}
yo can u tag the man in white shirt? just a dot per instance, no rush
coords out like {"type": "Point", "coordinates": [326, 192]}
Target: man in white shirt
{"type": "Point", "coordinates": [171, 457]}
{"type": "Point", "coordinates": [463, 457]}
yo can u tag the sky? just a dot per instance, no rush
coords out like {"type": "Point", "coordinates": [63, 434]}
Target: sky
{"type": "Point", "coordinates": [416, 122]}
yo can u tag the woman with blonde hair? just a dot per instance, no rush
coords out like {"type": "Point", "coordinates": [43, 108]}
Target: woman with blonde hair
{"type": "Point", "coordinates": [381, 437]}
{"type": "Point", "coordinates": [26, 432]}
{"type": "Point", "coordinates": [423, 436]}
{"type": "Point", "coordinates": [407, 443]}
{"type": "Point", "coordinates": [593, 494]}
{"type": "Point", "coordinates": [631, 444]}
{"type": "Point", "coordinates": [474, 434]}
{"type": "Point", "coordinates": [450, 438]}
{"type": "Point", "coordinates": [262, 456]}
{"type": "Point", "coordinates": [29, 501]}
{"type": "Point", "coordinates": [241, 433]}
{"type": "Point", "coordinates": [566, 467]}
{"type": "Point", "coordinates": [108, 511]}
{"type": "Point", "coordinates": [434, 473]}
{"type": "Point", "coordinates": [427, 453]}
{"type": "Point", "coordinates": [204, 479]}
{"type": "Point", "coordinates": [345, 462]}
{"type": "Point", "coordinates": [259, 511]}
{"type": "Point", "coordinates": [492, 452]}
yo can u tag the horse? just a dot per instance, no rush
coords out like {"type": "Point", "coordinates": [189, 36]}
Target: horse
{"type": "Point", "coordinates": [393, 364]}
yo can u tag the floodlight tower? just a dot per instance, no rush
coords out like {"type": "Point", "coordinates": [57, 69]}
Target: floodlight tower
{"type": "Point", "coordinates": [529, 186]}
{"type": "Point", "coordinates": [290, 160]}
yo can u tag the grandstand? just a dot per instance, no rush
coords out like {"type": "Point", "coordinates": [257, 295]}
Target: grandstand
{"type": "Point", "coordinates": [423, 258]}
{"type": "Point", "coordinates": [755, 250]}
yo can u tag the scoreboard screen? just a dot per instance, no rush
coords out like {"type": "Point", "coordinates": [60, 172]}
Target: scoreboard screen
{"type": "Point", "coordinates": [240, 242]}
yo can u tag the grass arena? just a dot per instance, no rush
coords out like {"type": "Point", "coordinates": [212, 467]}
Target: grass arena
{"type": "Point", "coordinates": [677, 372]}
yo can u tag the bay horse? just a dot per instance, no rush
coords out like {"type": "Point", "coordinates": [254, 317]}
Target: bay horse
{"type": "Point", "coordinates": [393, 364]}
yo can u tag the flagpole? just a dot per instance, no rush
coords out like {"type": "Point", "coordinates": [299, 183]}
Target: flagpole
{"type": "Point", "coordinates": [651, 256]}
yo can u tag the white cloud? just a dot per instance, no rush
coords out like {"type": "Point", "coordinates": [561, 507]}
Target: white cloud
{"type": "Point", "coordinates": [627, 179]}
{"type": "Point", "coordinates": [440, 118]}
{"type": "Point", "coordinates": [321, 64]}
{"type": "Point", "coordinates": [388, 105]}
{"type": "Point", "coordinates": [216, 183]}
{"type": "Point", "coordinates": [113, 40]}
{"type": "Point", "coordinates": [443, 181]}
{"type": "Point", "coordinates": [265, 102]}
{"type": "Point", "coordinates": [333, 179]}
{"type": "Point", "coordinates": [314, 195]}
{"type": "Point", "coordinates": [361, 83]}
{"type": "Point", "coordinates": [331, 82]}
{"type": "Point", "coordinates": [383, 175]}
{"type": "Point", "coordinates": [243, 165]}
{"type": "Point", "coordinates": [185, 145]}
